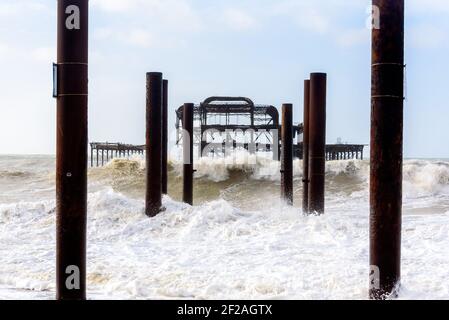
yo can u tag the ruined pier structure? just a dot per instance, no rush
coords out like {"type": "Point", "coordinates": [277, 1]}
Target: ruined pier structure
{"type": "Point", "coordinates": [103, 152]}
{"type": "Point", "coordinates": [240, 116]}
{"type": "Point", "coordinates": [229, 114]}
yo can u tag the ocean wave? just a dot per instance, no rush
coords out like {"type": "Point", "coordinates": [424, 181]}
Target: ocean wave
{"type": "Point", "coordinates": [15, 174]}
{"type": "Point", "coordinates": [426, 177]}
{"type": "Point", "coordinates": [421, 177]}
{"type": "Point", "coordinates": [216, 251]}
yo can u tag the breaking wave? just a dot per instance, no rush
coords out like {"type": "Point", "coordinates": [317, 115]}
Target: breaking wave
{"type": "Point", "coordinates": [238, 241]}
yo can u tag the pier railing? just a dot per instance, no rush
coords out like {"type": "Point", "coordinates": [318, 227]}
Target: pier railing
{"type": "Point", "coordinates": [103, 152]}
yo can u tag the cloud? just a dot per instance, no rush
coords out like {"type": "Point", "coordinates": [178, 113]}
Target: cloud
{"type": "Point", "coordinates": [427, 36]}
{"type": "Point", "coordinates": [430, 6]}
{"type": "Point", "coordinates": [304, 14]}
{"type": "Point", "coordinates": [170, 14]}
{"type": "Point", "coordinates": [238, 20]}
{"type": "Point", "coordinates": [139, 37]}
{"type": "Point", "coordinates": [10, 8]}
{"type": "Point", "coordinates": [353, 37]}
{"type": "Point", "coordinates": [44, 54]}
{"type": "Point", "coordinates": [4, 50]}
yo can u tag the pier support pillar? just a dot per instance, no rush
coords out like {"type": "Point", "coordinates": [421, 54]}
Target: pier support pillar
{"type": "Point", "coordinates": [91, 157]}
{"type": "Point", "coordinates": [187, 125]}
{"type": "Point", "coordinates": [153, 201]}
{"type": "Point", "coordinates": [164, 137]}
{"type": "Point", "coordinates": [305, 149]}
{"type": "Point", "coordinates": [72, 149]}
{"type": "Point", "coordinates": [287, 154]}
{"type": "Point", "coordinates": [317, 142]}
{"type": "Point", "coordinates": [387, 102]}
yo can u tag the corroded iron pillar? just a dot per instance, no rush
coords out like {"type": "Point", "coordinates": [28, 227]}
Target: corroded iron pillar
{"type": "Point", "coordinates": [187, 139]}
{"type": "Point", "coordinates": [164, 137]}
{"type": "Point", "coordinates": [305, 149]}
{"type": "Point", "coordinates": [153, 201]}
{"type": "Point", "coordinates": [71, 149]}
{"type": "Point", "coordinates": [387, 102]}
{"type": "Point", "coordinates": [317, 142]}
{"type": "Point", "coordinates": [287, 154]}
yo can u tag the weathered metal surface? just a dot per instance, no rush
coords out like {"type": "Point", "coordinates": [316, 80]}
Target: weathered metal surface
{"type": "Point", "coordinates": [287, 154]}
{"type": "Point", "coordinates": [235, 113]}
{"type": "Point", "coordinates": [386, 148]}
{"type": "Point", "coordinates": [187, 125]}
{"type": "Point", "coordinates": [165, 137]}
{"type": "Point", "coordinates": [317, 142]}
{"type": "Point", "coordinates": [153, 200]}
{"type": "Point", "coordinates": [305, 151]}
{"type": "Point", "coordinates": [71, 150]}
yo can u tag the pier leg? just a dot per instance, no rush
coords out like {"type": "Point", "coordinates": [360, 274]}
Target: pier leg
{"type": "Point", "coordinates": [187, 125]}
{"type": "Point", "coordinates": [317, 141]}
{"type": "Point", "coordinates": [91, 157]}
{"type": "Point", "coordinates": [387, 103]}
{"type": "Point", "coordinates": [305, 149]}
{"type": "Point", "coordinates": [164, 137]}
{"type": "Point", "coordinates": [72, 145]}
{"type": "Point", "coordinates": [287, 154]}
{"type": "Point", "coordinates": [153, 200]}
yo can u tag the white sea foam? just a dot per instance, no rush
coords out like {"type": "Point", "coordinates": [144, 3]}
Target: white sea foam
{"type": "Point", "coordinates": [216, 250]}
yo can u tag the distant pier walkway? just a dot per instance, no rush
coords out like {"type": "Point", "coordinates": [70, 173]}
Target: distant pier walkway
{"type": "Point", "coordinates": [102, 152]}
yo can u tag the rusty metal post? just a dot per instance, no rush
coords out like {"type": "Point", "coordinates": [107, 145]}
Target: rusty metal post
{"type": "Point", "coordinates": [317, 142]}
{"type": "Point", "coordinates": [153, 200]}
{"type": "Point", "coordinates": [72, 149]}
{"type": "Point", "coordinates": [287, 154]}
{"type": "Point", "coordinates": [187, 139]}
{"type": "Point", "coordinates": [387, 102]}
{"type": "Point", "coordinates": [164, 136]}
{"type": "Point", "coordinates": [305, 149]}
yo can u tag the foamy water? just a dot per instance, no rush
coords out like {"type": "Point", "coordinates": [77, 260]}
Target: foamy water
{"type": "Point", "coordinates": [237, 241]}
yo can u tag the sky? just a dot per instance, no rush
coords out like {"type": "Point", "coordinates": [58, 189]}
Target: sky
{"type": "Point", "coordinates": [261, 49]}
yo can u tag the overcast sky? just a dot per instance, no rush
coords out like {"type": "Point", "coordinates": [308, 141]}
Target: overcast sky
{"type": "Point", "coordinates": [262, 49]}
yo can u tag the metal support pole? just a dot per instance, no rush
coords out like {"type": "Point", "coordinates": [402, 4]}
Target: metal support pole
{"type": "Point", "coordinates": [72, 149]}
{"type": "Point", "coordinates": [287, 154]}
{"type": "Point", "coordinates": [91, 157]}
{"type": "Point", "coordinates": [317, 142]}
{"type": "Point", "coordinates": [305, 148]}
{"type": "Point", "coordinates": [164, 137]}
{"type": "Point", "coordinates": [187, 140]}
{"type": "Point", "coordinates": [387, 104]}
{"type": "Point", "coordinates": [153, 200]}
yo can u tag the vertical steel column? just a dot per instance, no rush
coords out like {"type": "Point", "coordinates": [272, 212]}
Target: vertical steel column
{"type": "Point", "coordinates": [287, 154]}
{"type": "Point", "coordinates": [317, 142]}
{"type": "Point", "coordinates": [187, 125]}
{"type": "Point", "coordinates": [72, 149]}
{"type": "Point", "coordinates": [91, 157]}
{"type": "Point", "coordinates": [387, 102]}
{"type": "Point", "coordinates": [164, 137]}
{"type": "Point", "coordinates": [153, 200]}
{"type": "Point", "coordinates": [305, 149]}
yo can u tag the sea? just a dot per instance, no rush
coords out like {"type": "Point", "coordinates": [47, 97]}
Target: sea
{"type": "Point", "coordinates": [238, 240]}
